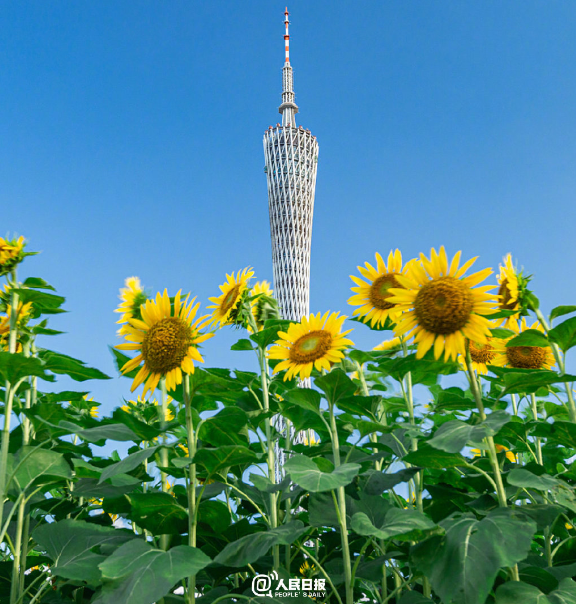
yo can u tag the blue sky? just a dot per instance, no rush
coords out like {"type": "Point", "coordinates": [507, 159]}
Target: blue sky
{"type": "Point", "coordinates": [131, 144]}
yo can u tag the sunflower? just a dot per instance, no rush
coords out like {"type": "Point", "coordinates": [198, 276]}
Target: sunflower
{"type": "Point", "coordinates": [307, 569]}
{"type": "Point", "coordinates": [317, 341]}
{"type": "Point", "coordinates": [167, 340]}
{"type": "Point", "coordinates": [309, 438]}
{"type": "Point", "coordinates": [141, 402]}
{"type": "Point", "coordinates": [23, 313]}
{"type": "Point", "coordinates": [482, 355]}
{"type": "Point", "coordinates": [374, 296]}
{"type": "Point", "coordinates": [499, 448]}
{"type": "Point", "coordinates": [392, 344]}
{"type": "Point", "coordinates": [441, 307]}
{"type": "Point", "coordinates": [132, 296]}
{"type": "Point", "coordinates": [225, 304]}
{"type": "Point", "coordinates": [11, 253]}
{"type": "Point", "coordinates": [263, 290]}
{"type": "Point", "coordinates": [509, 284]}
{"type": "Point", "coordinates": [523, 357]}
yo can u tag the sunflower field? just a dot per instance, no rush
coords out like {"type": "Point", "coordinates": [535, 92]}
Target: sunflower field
{"type": "Point", "coordinates": [436, 467]}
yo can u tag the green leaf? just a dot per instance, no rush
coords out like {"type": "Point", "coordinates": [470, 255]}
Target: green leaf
{"type": "Point", "coordinates": [529, 337]}
{"type": "Point", "coordinates": [227, 456]}
{"type": "Point", "coordinates": [140, 574]}
{"type": "Point", "coordinates": [519, 477]}
{"type": "Point", "coordinates": [564, 594]}
{"type": "Point", "coordinates": [306, 398]}
{"type": "Point", "coordinates": [454, 435]}
{"type": "Point", "coordinates": [559, 311]}
{"type": "Point", "coordinates": [159, 513]}
{"type": "Point", "coordinates": [99, 434]}
{"type": "Point", "coordinates": [242, 344]}
{"type": "Point", "coordinates": [15, 366]}
{"type": "Point", "coordinates": [564, 334]}
{"type": "Point", "coordinates": [502, 333]}
{"type": "Point", "coordinates": [428, 457]}
{"type": "Point", "coordinates": [227, 427]}
{"type": "Point", "coordinates": [63, 364]}
{"type": "Point", "coordinates": [463, 564]}
{"type": "Point", "coordinates": [306, 473]}
{"type": "Point", "coordinates": [248, 549]}
{"type": "Point", "coordinates": [127, 464]}
{"type": "Point", "coordinates": [423, 371]}
{"type": "Point", "coordinates": [514, 592]}
{"type": "Point", "coordinates": [402, 525]}
{"type": "Point", "coordinates": [70, 544]}
{"type": "Point", "coordinates": [215, 515]}
{"type": "Point", "coordinates": [40, 300]}
{"type": "Point", "coordinates": [30, 465]}
{"type": "Point", "coordinates": [335, 385]}
{"type": "Point", "coordinates": [526, 381]}
{"type": "Point", "coordinates": [37, 283]}
{"type": "Point", "coordinates": [266, 336]}
{"type": "Point", "coordinates": [376, 482]}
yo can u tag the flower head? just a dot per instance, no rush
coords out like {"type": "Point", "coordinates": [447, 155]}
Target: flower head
{"type": "Point", "coordinates": [512, 290]}
{"type": "Point", "coordinates": [23, 315]}
{"type": "Point", "coordinates": [523, 357]}
{"type": "Point", "coordinates": [317, 341]}
{"type": "Point", "coordinates": [373, 296]}
{"type": "Point", "coordinates": [392, 344]}
{"type": "Point", "coordinates": [166, 339]}
{"type": "Point", "coordinates": [482, 355]}
{"type": "Point", "coordinates": [132, 296]}
{"type": "Point", "coordinates": [441, 307]}
{"type": "Point", "coordinates": [263, 306]}
{"type": "Point", "coordinates": [225, 306]}
{"type": "Point", "coordinates": [11, 253]}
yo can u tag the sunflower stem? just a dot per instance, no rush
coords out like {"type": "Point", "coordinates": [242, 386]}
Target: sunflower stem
{"type": "Point", "coordinates": [9, 391]}
{"type": "Point", "coordinates": [288, 499]}
{"type": "Point", "coordinates": [341, 510]}
{"type": "Point", "coordinates": [500, 491]}
{"type": "Point", "coordinates": [560, 363]}
{"type": "Point", "coordinates": [514, 404]}
{"type": "Point", "coordinates": [164, 539]}
{"type": "Point", "coordinates": [538, 440]}
{"type": "Point", "coordinates": [191, 483]}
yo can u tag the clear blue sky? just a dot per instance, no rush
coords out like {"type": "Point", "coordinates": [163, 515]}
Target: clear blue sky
{"type": "Point", "coordinates": [131, 144]}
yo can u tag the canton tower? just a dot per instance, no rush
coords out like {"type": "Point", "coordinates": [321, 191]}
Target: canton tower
{"type": "Point", "coordinates": [291, 156]}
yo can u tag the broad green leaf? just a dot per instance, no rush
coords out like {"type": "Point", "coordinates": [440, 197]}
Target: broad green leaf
{"type": "Point", "coordinates": [375, 482]}
{"type": "Point", "coordinates": [502, 333]}
{"type": "Point", "coordinates": [454, 435]}
{"type": "Point", "coordinates": [142, 430]}
{"type": "Point", "coordinates": [335, 385]}
{"type": "Point", "coordinates": [306, 398]}
{"type": "Point", "coordinates": [31, 465]}
{"type": "Point", "coordinates": [36, 283]}
{"type": "Point", "coordinates": [248, 549]}
{"type": "Point", "coordinates": [215, 515]}
{"type": "Point", "coordinates": [413, 597]}
{"type": "Point", "coordinates": [266, 336]}
{"type": "Point", "coordinates": [227, 456]}
{"type": "Point", "coordinates": [119, 485]}
{"type": "Point", "coordinates": [519, 477]}
{"type": "Point", "coordinates": [159, 513]}
{"type": "Point", "coordinates": [428, 457]}
{"type": "Point", "coordinates": [40, 300]}
{"type": "Point", "coordinates": [559, 311]}
{"type": "Point", "coordinates": [63, 364]}
{"type": "Point", "coordinates": [423, 371]}
{"type": "Point", "coordinates": [15, 366]}
{"type": "Point", "coordinates": [516, 592]}
{"type": "Point", "coordinates": [140, 574]}
{"type": "Point", "coordinates": [70, 544]}
{"type": "Point", "coordinates": [529, 337]}
{"type": "Point", "coordinates": [127, 464]}
{"type": "Point", "coordinates": [565, 593]}
{"type": "Point", "coordinates": [99, 434]}
{"type": "Point", "coordinates": [463, 564]}
{"type": "Point", "coordinates": [526, 381]}
{"type": "Point", "coordinates": [242, 344]}
{"type": "Point", "coordinates": [564, 334]}
{"type": "Point", "coordinates": [453, 399]}
{"type": "Point", "coordinates": [402, 525]}
{"type": "Point", "coordinates": [306, 473]}
{"type": "Point", "coordinates": [227, 427]}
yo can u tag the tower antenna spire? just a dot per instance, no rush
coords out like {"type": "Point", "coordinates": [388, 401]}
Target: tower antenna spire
{"type": "Point", "coordinates": [287, 36]}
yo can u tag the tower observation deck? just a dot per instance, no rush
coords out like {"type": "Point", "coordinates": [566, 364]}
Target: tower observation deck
{"type": "Point", "coordinates": [291, 157]}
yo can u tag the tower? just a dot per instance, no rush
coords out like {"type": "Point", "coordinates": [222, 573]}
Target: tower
{"type": "Point", "coordinates": [291, 157]}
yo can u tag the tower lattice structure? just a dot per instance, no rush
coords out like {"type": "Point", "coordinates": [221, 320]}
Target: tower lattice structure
{"type": "Point", "coordinates": [291, 156]}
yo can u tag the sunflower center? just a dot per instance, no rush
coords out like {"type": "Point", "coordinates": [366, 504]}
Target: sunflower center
{"type": "Point", "coordinates": [526, 357]}
{"type": "Point", "coordinates": [229, 299]}
{"type": "Point", "coordinates": [443, 306]}
{"type": "Point", "coordinates": [379, 291]}
{"type": "Point", "coordinates": [165, 344]}
{"type": "Point", "coordinates": [482, 354]}
{"type": "Point", "coordinates": [504, 292]}
{"type": "Point", "coordinates": [310, 347]}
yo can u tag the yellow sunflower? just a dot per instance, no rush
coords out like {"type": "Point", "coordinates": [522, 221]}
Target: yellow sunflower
{"type": "Point", "coordinates": [11, 253]}
{"type": "Point", "coordinates": [141, 402]}
{"type": "Point", "coordinates": [392, 344]}
{"type": "Point", "coordinates": [523, 357]}
{"type": "Point", "coordinates": [317, 341]}
{"type": "Point", "coordinates": [132, 297]}
{"type": "Point", "coordinates": [167, 338]}
{"type": "Point", "coordinates": [307, 569]}
{"type": "Point", "coordinates": [508, 289]}
{"type": "Point", "coordinates": [22, 316]}
{"type": "Point", "coordinates": [441, 307]}
{"type": "Point", "coordinates": [482, 355]}
{"type": "Point", "coordinates": [225, 304]}
{"type": "Point", "coordinates": [373, 296]}
{"type": "Point", "coordinates": [261, 287]}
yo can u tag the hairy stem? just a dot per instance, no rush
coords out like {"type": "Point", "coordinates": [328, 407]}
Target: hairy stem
{"type": "Point", "coordinates": [191, 483]}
